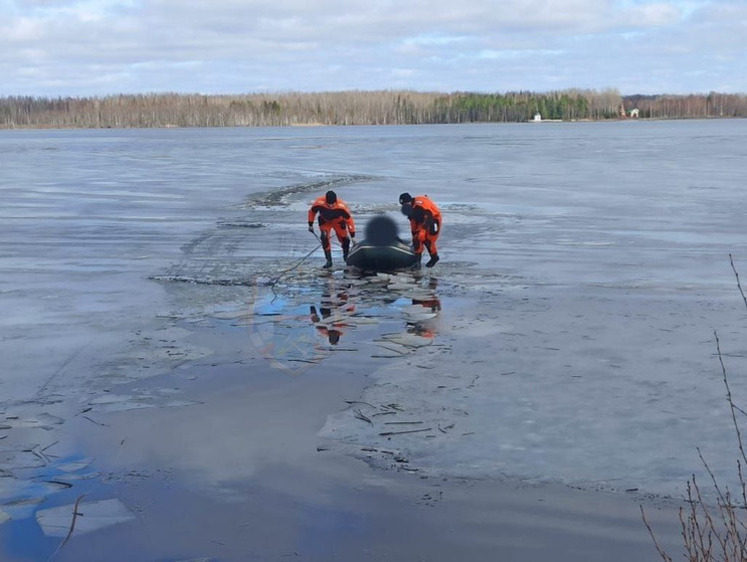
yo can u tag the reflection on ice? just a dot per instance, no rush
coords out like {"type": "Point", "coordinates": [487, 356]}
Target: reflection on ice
{"type": "Point", "coordinates": [406, 341]}
{"type": "Point", "coordinates": [335, 315]}
{"type": "Point", "coordinates": [145, 399]}
{"type": "Point", "coordinates": [366, 306]}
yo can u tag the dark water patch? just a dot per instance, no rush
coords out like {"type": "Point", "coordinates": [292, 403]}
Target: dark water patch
{"type": "Point", "coordinates": [24, 540]}
{"type": "Point", "coordinates": [203, 281]}
{"type": "Point", "coordinates": [279, 197]}
{"type": "Point", "coordinates": [240, 224]}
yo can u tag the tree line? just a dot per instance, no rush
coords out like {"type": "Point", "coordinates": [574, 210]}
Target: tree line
{"type": "Point", "coordinates": [355, 108]}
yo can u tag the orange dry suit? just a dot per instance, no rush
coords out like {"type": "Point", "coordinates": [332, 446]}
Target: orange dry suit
{"type": "Point", "coordinates": [335, 216]}
{"type": "Point", "coordinates": [425, 225]}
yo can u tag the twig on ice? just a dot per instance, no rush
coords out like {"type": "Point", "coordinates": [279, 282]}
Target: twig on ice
{"type": "Point", "coordinates": [72, 526]}
{"type": "Point", "coordinates": [401, 432]}
{"type": "Point", "coordinates": [739, 286]}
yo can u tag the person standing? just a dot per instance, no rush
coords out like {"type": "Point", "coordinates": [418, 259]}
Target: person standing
{"type": "Point", "coordinates": [425, 224]}
{"type": "Point", "coordinates": [333, 215]}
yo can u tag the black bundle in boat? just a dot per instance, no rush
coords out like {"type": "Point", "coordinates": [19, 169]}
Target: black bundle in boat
{"type": "Point", "coordinates": [381, 230]}
{"type": "Point", "coordinates": [381, 249]}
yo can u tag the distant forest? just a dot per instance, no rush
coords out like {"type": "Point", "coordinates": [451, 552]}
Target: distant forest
{"type": "Point", "coordinates": [355, 108]}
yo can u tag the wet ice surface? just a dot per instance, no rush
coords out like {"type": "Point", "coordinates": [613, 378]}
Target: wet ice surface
{"type": "Point", "coordinates": [566, 335]}
{"type": "Point", "coordinates": [545, 392]}
{"type": "Point", "coordinates": [55, 521]}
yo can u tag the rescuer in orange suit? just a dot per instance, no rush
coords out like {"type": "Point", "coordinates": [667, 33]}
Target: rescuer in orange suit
{"type": "Point", "coordinates": [425, 224]}
{"type": "Point", "coordinates": [333, 215]}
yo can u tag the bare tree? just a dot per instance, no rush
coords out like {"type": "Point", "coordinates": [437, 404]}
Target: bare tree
{"type": "Point", "coordinates": [383, 107]}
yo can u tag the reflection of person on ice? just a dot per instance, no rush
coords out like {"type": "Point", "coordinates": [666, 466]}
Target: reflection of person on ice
{"type": "Point", "coordinates": [431, 303]}
{"type": "Point", "coordinates": [334, 310]}
{"type": "Point", "coordinates": [333, 215]}
{"type": "Point", "coordinates": [425, 224]}
{"type": "Point", "coordinates": [332, 332]}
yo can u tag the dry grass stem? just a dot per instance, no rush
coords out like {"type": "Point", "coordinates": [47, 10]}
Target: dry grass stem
{"type": "Point", "coordinates": [736, 274]}
{"type": "Point", "coordinates": [715, 533]}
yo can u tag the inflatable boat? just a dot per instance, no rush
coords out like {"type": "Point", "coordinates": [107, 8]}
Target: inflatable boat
{"type": "Point", "coordinates": [382, 249]}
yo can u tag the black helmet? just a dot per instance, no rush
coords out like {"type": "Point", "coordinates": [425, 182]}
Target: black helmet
{"type": "Point", "coordinates": [405, 198]}
{"type": "Point", "coordinates": [331, 197]}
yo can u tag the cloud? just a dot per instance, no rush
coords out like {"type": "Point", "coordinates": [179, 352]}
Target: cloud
{"type": "Point", "coordinates": [24, 30]}
{"type": "Point", "coordinates": [333, 45]}
{"type": "Point", "coordinates": [653, 15]}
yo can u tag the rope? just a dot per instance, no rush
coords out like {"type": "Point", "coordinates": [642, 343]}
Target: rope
{"type": "Point", "coordinates": [299, 262]}
{"type": "Point", "coordinates": [274, 281]}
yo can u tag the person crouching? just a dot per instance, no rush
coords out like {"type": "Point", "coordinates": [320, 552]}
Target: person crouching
{"type": "Point", "coordinates": [425, 224]}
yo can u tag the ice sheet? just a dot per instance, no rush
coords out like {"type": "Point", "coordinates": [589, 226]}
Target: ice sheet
{"type": "Point", "coordinates": [585, 268]}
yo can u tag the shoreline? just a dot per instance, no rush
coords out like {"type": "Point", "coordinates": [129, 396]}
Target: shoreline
{"type": "Point", "coordinates": [49, 127]}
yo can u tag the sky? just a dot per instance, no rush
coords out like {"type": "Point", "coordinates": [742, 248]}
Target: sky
{"type": "Point", "coordinates": [84, 48]}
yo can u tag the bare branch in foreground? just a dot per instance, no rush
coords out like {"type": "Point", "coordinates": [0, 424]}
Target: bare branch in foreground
{"type": "Point", "coordinates": [736, 274]}
{"type": "Point", "coordinates": [662, 553]}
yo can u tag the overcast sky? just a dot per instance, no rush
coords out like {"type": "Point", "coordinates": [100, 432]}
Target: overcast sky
{"type": "Point", "coordinates": [100, 47]}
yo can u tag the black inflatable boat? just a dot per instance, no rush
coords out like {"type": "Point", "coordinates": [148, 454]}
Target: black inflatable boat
{"type": "Point", "coordinates": [381, 249]}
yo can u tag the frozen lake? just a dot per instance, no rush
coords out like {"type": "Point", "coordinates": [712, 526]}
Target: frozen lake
{"type": "Point", "coordinates": [585, 268]}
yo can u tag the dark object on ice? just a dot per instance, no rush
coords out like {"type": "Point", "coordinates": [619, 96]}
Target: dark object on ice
{"type": "Point", "coordinates": [381, 249]}
{"type": "Point", "coordinates": [381, 230]}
